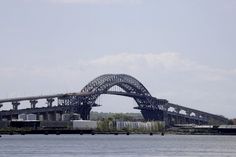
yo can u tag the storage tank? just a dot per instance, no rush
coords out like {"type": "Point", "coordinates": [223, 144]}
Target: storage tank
{"type": "Point", "coordinates": [22, 117]}
{"type": "Point", "coordinates": [84, 124]}
{"type": "Point", "coordinates": [31, 117]}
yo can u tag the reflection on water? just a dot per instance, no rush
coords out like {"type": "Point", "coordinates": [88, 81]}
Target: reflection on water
{"type": "Point", "coordinates": [115, 146]}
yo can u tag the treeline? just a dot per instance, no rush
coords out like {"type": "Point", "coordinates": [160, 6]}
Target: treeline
{"type": "Point", "coordinates": [107, 125]}
{"type": "Point", "coordinates": [125, 122]}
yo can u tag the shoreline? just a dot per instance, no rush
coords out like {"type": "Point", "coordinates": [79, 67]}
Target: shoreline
{"type": "Point", "coordinates": [93, 132]}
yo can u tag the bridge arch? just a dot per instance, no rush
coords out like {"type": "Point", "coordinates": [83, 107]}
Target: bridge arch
{"type": "Point", "coordinates": [129, 84]}
{"type": "Point", "coordinates": [126, 82]}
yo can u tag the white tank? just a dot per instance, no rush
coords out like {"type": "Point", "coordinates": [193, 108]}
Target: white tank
{"type": "Point", "coordinates": [31, 117]}
{"type": "Point", "coordinates": [84, 124]}
{"type": "Point", "coordinates": [22, 117]}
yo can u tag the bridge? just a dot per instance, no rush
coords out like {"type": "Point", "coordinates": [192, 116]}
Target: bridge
{"type": "Point", "coordinates": [152, 108]}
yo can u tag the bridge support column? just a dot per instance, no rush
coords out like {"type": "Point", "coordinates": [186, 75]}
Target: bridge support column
{"type": "Point", "coordinates": [15, 105]}
{"type": "Point", "coordinates": [49, 102]}
{"type": "Point", "coordinates": [177, 110]}
{"type": "Point", "coordinates": [153, 115]}
{"type": "Point", "coordinates": [166, 108]}
{"type": "Point", "coordinates": [188, 113]}
{"type": "Point", "coordinates": [85, 112]}
{"type": "Point", "coordinates": [52, 116]}
{"type": "Point", "coordinates": [49, 116]}
{"type": "Point", "coordinates": [197, 115]}
{"type": "Point", "coordinates": [33, 103]}
{"type": "Point", "coordinates": [46, 116]}
{"type": "Point", "coordinates": [0, 112]}
{"type": "Point", "coordinates": [43, 116]}
{"type": "Point", "coordinates": [57, 116]}
{"type": "Point", "coordinates": [178, 119]}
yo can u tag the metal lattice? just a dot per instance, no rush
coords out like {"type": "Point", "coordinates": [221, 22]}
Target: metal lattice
{"type": "Point", "coordinates": [103, 83]}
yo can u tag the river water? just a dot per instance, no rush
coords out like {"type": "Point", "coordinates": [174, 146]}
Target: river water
{"type": "Point", "coordinates": [116, 146]}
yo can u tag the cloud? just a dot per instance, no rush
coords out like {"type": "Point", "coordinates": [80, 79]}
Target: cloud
{"type": "Point", "coordinates": [162, 62]}
{"type": "Point", "coordinates": [134, 63]}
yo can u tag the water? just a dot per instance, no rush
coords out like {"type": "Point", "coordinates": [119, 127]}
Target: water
{"type": "Point", "coordinates": [116, 146]}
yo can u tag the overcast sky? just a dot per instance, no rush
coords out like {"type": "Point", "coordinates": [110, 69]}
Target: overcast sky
{"type": "Point", "coordinates": [183, 51]}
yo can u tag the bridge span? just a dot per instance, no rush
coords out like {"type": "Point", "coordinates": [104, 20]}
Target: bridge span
{"type": "Point", "coordinates": [82, 102]}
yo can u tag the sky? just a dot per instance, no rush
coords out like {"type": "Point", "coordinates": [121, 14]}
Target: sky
{"type": "Point", "coordinates": [183, 51]}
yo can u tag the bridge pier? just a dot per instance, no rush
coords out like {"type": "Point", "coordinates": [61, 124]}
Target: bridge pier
{"type": "Point", "coordinates": [51, 116]}
{"type": "Point", "coordinates": [49, 102]}
{"type": "Point", "coordinates": [177, 110]}
{"type": "Point", "coordinates": [33, 103]}
{"type": "Point", "coordinates": [15, 105]}
{"type": "Point", "coordinates": [85, 112]}
{"type": "Point", "coordinates": [150, 115]}
{"type": "Point", "coordinates": [58, 116]}
{"type": "Point", "coordinates": [0, 112]}
{"type": "Point", "coordinates": [166, 108]}
{"type": "Point", "coordinates": [198, 115]}
{"type": "Point", "coordinates": [188, 113]}
{"type": "Point", "coordinates": [45, 116]}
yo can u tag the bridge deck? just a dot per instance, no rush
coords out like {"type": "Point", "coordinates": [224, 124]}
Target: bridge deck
{"type": "Point", "coordinates": [161, 104]}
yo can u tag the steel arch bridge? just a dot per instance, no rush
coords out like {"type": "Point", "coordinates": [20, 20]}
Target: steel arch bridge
{"type": "Point", "coordinates": [151, 108]}
{"type": "Point", "coordinates": [102, 84]}
{"type": "Point", "coordinates": [129, 84]}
